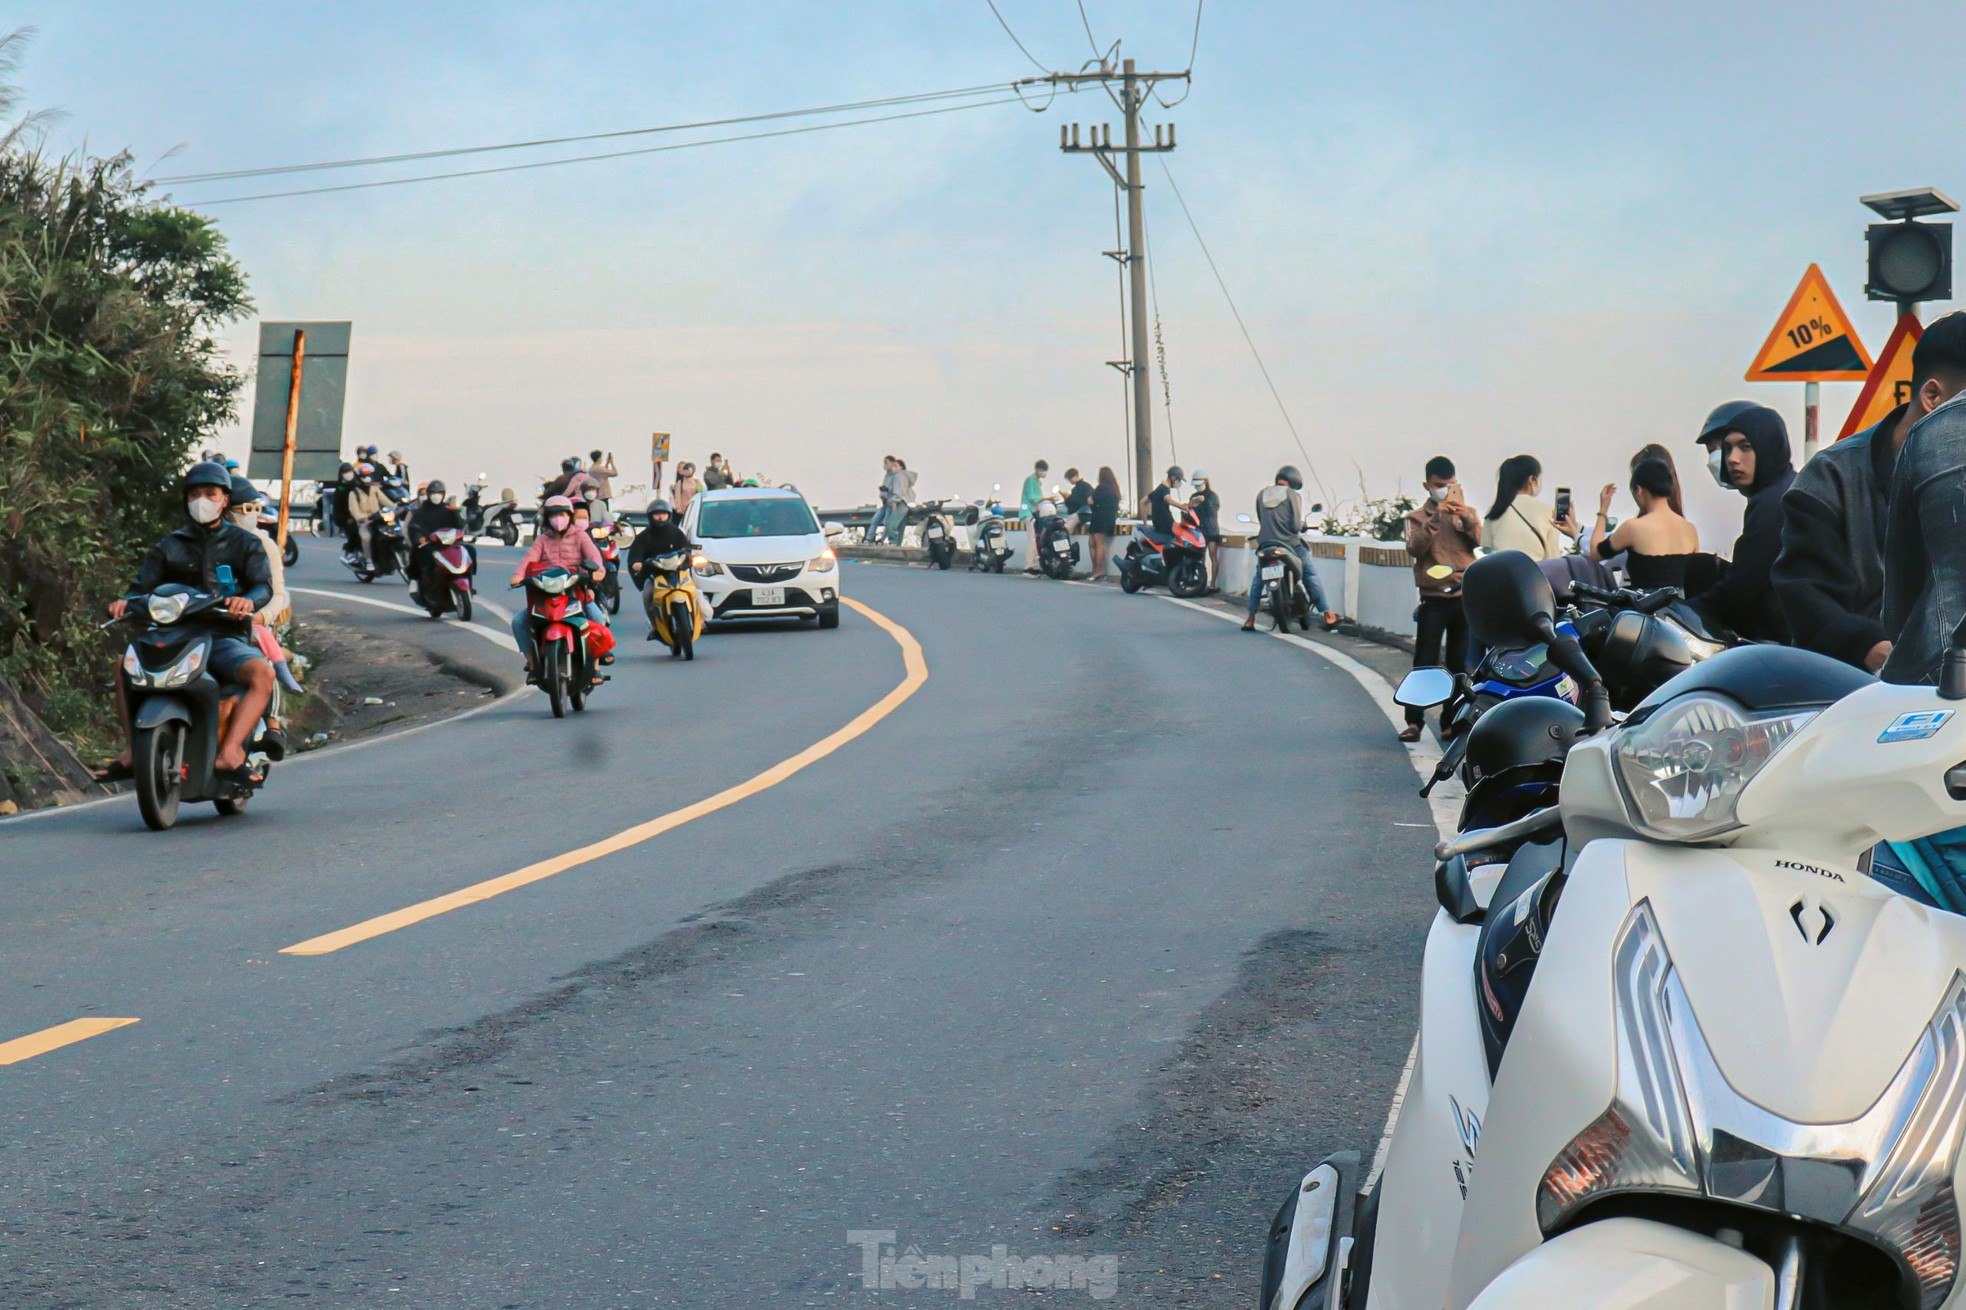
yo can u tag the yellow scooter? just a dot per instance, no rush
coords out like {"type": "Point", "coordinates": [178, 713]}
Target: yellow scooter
{"type": "Point", "coordinates": [675, 606]}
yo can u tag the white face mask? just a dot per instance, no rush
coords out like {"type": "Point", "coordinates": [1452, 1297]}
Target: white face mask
{"type": "Point", "coordinates": [1717, 465]}
{"type": "Point", "coordinates": [1437, 494]}
{"type": "Point", "coordinates": [204, 510]}
{"type": "Point", "coordinates": [435, 498]}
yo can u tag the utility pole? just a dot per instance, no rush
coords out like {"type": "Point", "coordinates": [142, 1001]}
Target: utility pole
{"type": "Point", "coordinates": [1134, 87]}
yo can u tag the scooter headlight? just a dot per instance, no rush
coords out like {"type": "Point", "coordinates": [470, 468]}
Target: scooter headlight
{"type": "Point", "coordinates": [177, 675]}
{"type": "Point", "coordinates": [1684, 768]}
{"type": "Point", "coordinates": [166, 610]}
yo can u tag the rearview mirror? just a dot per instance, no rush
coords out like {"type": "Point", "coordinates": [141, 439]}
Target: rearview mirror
{"type": "Point", "coordinates": [1423, 689]}
{"type": "Point", "coordinates": [831, 528]}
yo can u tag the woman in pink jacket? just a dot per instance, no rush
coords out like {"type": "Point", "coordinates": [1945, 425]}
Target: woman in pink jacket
{"type": "Point", "coordinates": [556, 546]}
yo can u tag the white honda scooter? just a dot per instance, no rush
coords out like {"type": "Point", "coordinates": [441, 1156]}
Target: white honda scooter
{"type": "Point", "coordinates": [1739, 1079]}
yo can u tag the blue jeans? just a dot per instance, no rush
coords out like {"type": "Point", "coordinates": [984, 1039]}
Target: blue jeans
{"type": "Point", "coordinates": [522, 626]}
{"type": "Point", "coordinates": [1311, 584]}
{"type": "Point", "coordinates": [893, 518]}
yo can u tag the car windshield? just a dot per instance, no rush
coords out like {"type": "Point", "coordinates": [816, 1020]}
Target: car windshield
{"type": "Point", "coordinates": [764, 516]}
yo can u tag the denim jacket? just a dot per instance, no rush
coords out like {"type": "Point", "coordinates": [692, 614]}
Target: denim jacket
{"type": "Point", "coordinates": [1925, 544]}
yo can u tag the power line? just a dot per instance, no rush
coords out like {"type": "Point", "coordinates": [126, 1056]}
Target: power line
{"type": "Point", "coordinates": [1194, 44]}
{"type": "Point", "coordinates": [1257, 354]}
{"type": "Point", "coordinates": [613, 154]}
{"type": "Point", "coordinates": [1091, 40]}
{"type": "Point", "coordinates": [849, 107]}
{"type": "Point", "coordinates": [1013, 36]}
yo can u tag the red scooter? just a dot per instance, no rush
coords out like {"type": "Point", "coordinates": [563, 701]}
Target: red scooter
{"type": "Point", "coordinates": [569, 646]}
{"type": "Point", "coordinates": [447, 573]}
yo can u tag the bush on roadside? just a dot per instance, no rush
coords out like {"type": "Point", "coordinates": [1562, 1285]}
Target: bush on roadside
{"type": "Point", "coordinates": [1382, 518]}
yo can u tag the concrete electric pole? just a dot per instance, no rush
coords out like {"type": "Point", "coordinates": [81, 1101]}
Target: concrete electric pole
{"type": "Point", "coordinates": [1134, 87]}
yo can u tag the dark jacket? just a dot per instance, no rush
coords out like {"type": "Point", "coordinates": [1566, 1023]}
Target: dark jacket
{"type": "Point", "coordinates": [1829, 577]}
{"type": "Point", "coordinates": [338, 503]}
{"type": "Point", "coordinates": [1279, 517]}
{"type": "Point", "coordinates": [656, 539]}
{"type": "Point", "coordinates": [1079, 498]}
{"type": "Point", "coordinates": [1105, 512]}
{"type": "Point", "coordinates": [427, 518]}
{"type": "Point", "coordinates": [1744, 598]}
{"type": "Point", "coordinates": [192, 557]}
{"type": "Point", "coordinates": [1924, 567]}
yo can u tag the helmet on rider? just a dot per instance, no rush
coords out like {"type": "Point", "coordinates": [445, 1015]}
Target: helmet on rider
{"type": "Point", "coordinates": [365, 471]}
{"type": "Point", "coordinates": [1288, 473]}
{"type": "Point", "coordinates": [433, 491]}
{"type": "Point", "coordinates": [660, 506]}
{"type": "Point", "coordinates": [200, 480]}
{"type": "Point", "coordinates": [347, 473]}
{"type": "Point", "coordinates": [243, 492]}
{"type": "Point", "coordinates": [569, 464]}
{"type": "Point", "coordinates": [557, 512]}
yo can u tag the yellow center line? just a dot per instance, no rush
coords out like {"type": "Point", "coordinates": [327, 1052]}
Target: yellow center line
{"type": "Point", "coordinates": [916, 675]}
{"type": "Point", "coordinates": [53, 1039]}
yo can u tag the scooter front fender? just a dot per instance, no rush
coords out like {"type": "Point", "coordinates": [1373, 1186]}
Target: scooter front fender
{"type": "Point", "coordinates": [156, 711]}
{"type": "Point", "coordinates": [1633, 1264]}
{"type": "Point", "coordinates": [556, 632]}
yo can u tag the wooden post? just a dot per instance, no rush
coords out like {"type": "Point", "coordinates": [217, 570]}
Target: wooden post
{"type": "Point", "coordinates": [293, 422]}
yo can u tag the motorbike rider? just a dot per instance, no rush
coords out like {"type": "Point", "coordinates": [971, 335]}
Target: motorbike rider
{"type": "Point", "coordinates": [365, 501]}
{"type": "Point", "coordinates": [222, 558]}
{"type": "Point", "coordinates": [1748, 451]}
{"type": "Point", "coordinates": [1160, 508]}
{"type": "Point", "coordinates": [1280, 522]}
{"type": "Point", "coordinates": [663, 536]}
{"type": "Point", "coordinates": [559, 545]}
{"type": "Point", "coordinates": [431, 515]}
{"type": "Point", "coordinates": [338, 515]}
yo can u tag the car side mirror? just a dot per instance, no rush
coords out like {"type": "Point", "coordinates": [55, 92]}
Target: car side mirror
{"type": "Point", "coordinates": [1422, 689]}
{"type": "Point", "coordinates": [832, 529]}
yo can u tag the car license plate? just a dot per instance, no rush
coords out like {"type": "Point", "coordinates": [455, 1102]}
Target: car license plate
{"type": "Point", "coordinates": [767, 597]}
{"type": "Point", "coordinates": [1271, 572]}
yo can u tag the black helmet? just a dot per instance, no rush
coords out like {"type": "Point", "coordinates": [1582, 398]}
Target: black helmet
{"type": "Point", "coordinates": [660, 506]}
{"type": "Point", "coordinates": [1524, 731]}
{"type": "Point", "coordinates": [1504, 595]}
{"type": "Point", "coordinates": [1288, 473]}
{"type": "Point", "coordinates": [1724, 417]}
{"type": "Point", "coordinates": [243, 492]}
{"type": "Point", "coordinates": [435, 487]}
{"type": "Point", "coordinates": [569, 464]}
{"type": "Point", "coordinates": [346, 467]}
{"type": "Point", "coordinates": [208, 473]}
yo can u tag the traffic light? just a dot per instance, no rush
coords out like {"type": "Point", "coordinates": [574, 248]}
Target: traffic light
{"type": "Point", "coordinates": [1909, 261]}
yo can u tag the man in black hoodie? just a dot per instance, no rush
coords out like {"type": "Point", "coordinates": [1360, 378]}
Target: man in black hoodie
{"type": "Point", "coordinates": [1748, 451]}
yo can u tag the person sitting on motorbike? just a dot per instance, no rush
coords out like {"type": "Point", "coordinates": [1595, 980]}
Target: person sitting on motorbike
{"type": "Point", "coordinates": [365, 501]}
{"type": "Point", "coordinates": [338, 516]}
{"type": "Point", "coordinates": [1280, 522]}
{"type": "Point", "coordinates": [559, 545]}
{"type": "Point", "coordinates": [215, 556]}
{"type": "Point", "coordinates": [430, 515]}
{"type": "Point", "coordinates": [663, 536]}
{"type": "Point", "coordinates": [247, 502]}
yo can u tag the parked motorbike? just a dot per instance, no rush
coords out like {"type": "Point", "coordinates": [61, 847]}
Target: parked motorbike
{"type": "Point", "coordinates": [1286, 593]}
{"type": "Point", "coordinates": [1051, 540]}
{"type": "Point", "coordinates": [989, 541]}
{"type": "Point", "coordinates": [674, 605]}
{"type": "Point", "coordinates": [1672, 1097]}
{"type": "Point", "coordinates": [178, 710]}
{"type": "Point", "coordinates": [446, 584]}
{"type": "Point", "coordinates": [1181, 566]}
{"type": "Point", "coordinates": [938, 534]}
{"type": "Point", "coordinates": [569, 647]}
{"type": "Point", "coordinates": [499, 519]}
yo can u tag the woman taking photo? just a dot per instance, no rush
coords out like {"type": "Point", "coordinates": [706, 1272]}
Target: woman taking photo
{"type": "Point", "coordinates": [1519, 521]}
{"type": "Point", "coordinates": [1104, 521]}
{"type": "Point", "coordinates": [1657, 543]}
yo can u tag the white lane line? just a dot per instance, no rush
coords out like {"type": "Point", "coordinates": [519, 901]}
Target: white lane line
{"type": "Point", "coordinates": [503, 640]}
{"type": "Point", "coordinates": [1445, 803]}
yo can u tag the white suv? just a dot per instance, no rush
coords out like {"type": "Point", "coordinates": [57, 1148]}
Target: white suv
{"type": "Point", "coordinates": [762, 554]}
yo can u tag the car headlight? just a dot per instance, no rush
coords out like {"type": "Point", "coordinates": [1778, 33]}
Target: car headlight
{"type": "Point", "coordinates": [167, 610]}
{"type": "Point", "coordinates": [1683, 769]}
{"type": "Point", "coordinates": [825, 562]}
{"type": "Point", "coordinates": [705, 567]}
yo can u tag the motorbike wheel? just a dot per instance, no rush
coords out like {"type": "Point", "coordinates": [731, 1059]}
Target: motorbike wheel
{"type": "Point", "coordinates": [463, 601]}
{"type": "Point", "coordinates": [612, 589]}
{"type": "Point", "coordinates": [1280, 607]}
{"type": "Point", "coordinates": [157, 759]}
{"type": "Point", "coordinates": [1188, 580]}
{"type": "Point", "coordinates": [231, 808]}
{"type": "Point", "coordinates": [1129, 580]}
{"type": "Point", "coordinates": [996, 562]}
{"type": "Point", "coordinates": [579, 683]}
{"type": "Point", "coordinates": [291, 555]}
{"type": "Point", "coordinates": [1057, 568]}
{"type": "Point", "coordinates": [556, 681]}
{"type": "Point", "coordinates": [945, 557]}
{"type": "Point", "coordinates": [682, 625]}
{"type": "Point", "coordinates": [508, 532]}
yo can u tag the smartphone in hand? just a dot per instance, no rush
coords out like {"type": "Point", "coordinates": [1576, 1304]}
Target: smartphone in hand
{"type": "Point", "coordinates": [1563, 504]}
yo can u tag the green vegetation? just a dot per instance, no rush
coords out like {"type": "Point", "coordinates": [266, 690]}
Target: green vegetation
{"type": "Point", "coordinates": [109, 378]}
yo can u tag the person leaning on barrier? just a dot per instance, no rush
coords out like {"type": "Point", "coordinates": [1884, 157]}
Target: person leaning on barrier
{"type": "Point", "coordinates": [1441, 535]}
{"type": "Point", "coordinates": [1829, 576]}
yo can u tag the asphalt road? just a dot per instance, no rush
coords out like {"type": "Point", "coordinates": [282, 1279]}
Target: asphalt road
{"type": "Point", "coordinates": [1087, 947]}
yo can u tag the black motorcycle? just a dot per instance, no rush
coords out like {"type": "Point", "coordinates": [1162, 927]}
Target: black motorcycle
{"type": "Point", "coordinates": [391, 553]}
{"type": "Point", "coordinates": [938, 534]}
{"type": "Point", "coordinates": [175, 709]}
{"type": "Point", "coordinates": [498, 520]}
{"type": "Point", "coordinates": [1286, 594]}
{"type": "Point", "coordinates": [1051, 538]}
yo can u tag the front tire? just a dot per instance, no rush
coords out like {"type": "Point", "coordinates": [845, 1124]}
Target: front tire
{"type": "Point", "coordinates": [682, 629]}
{"type": "Point", "coordinates": [1129, 581]}
{"type": "Point", "coordinates": [291, 555]}
{"type": "Point", "coordinates": [556, 681]}
{"type": "Point", "coordinates": [611, 594]}
{"type": "Point", "coordinates": [157, 759]}
{"type": "Point", "coordinates": [1189, 579]}
{"type": "Point", "coordinates": [830, 618]}
{"type": "Point", "coordinates": [463, 598]}
{"type": "Point", "coordinates": [508, 532]}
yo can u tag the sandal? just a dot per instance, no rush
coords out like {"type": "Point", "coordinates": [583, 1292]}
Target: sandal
{"type": "Point", "coordinates": [113, 771]}
{"type": "Point", "coordinates": [1410, 733]}
{"type": "Point", "coordinates": [243, 776]}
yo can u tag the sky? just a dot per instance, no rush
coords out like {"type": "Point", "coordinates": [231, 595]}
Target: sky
{"type": "Point", "coordinates": [1477, 230]}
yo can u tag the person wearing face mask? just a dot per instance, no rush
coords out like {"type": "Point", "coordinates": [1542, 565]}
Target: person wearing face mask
{"type": "Point", "coordinates": [663, 536]}
{"type": "Point", "coordinates": [338, 514]}
{"type": "Point", "coordinates": [244, 513]}
{"type": "Point", "coordinates": [432, 514]}
{"type": "Point", "coordinates": [1441, 535]}
{"type": "Point", "coordinates": [365, 501]}
{"type": "Point", "coordinates": [1748, 451]}
{"type": "Point", "coordinates": [558, 545]}
{"type": "Point", "coordinates": [1518, 520]}
{"type": "Point", "coordinates": [216, 556]}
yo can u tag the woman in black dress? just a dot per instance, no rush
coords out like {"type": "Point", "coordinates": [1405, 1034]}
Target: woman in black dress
{"type": "Point", "coordinates": [1104, 521]}
{"type": "Point", "coordinates": [1656, 544]}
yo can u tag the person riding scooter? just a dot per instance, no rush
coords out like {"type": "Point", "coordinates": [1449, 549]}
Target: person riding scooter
{"type": "Point", "coordinates": [558, 545]}
{"type": "Point", "coordinates": [214, 556]}
{"type": "Point", "coordinates": [430, 515]}
{"type": "Point", "coordinates": [663, 536]}
{"type": "Point", "coordinates": [364, 501]}
{"type": "Point", "coordinates": [1280, 524]}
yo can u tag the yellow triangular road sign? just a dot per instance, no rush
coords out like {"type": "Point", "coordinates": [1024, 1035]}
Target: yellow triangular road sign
{"type": "Point", "coordinates": [1813, 340]}
{"type": "Point", "coordinates": [1889, 384]}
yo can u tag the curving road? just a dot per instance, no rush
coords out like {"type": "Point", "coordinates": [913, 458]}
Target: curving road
{"type": "Point", "coordinates": [1080, 946]}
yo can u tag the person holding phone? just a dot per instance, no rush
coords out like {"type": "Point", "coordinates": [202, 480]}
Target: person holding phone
{"type": "Point", "coordinates": [1441, 536]}
{"type": "Point", "coordinates": [1518, 520]}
